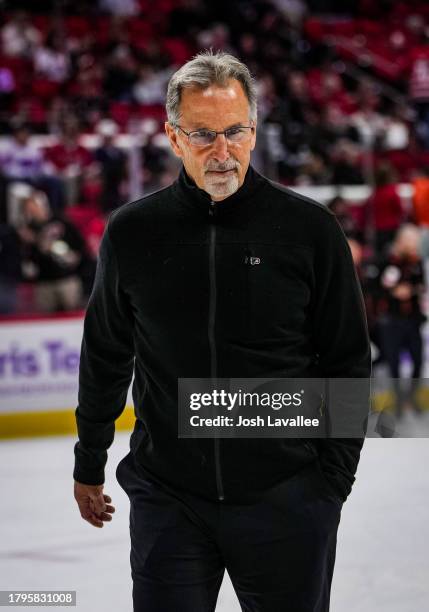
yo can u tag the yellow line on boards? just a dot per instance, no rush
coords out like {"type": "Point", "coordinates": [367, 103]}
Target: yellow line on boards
{"type": "Point", "coordinates": [51, 423]}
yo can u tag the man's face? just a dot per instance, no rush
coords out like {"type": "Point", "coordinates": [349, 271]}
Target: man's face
{"type": "Point", "coordinates": [219, 168]}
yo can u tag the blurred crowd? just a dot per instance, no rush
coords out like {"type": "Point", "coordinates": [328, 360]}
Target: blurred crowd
{"type": "Point", "coordinates": [343, 100]}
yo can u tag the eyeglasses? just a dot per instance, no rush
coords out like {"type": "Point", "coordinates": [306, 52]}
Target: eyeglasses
{"type": "Point", "coordinates": [203, 138]}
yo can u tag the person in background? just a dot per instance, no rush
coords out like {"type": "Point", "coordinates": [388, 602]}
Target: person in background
{"type": "Point", "coordinates": [21, 160]}
{"type": "Point", "coordinates": [367, 270]}
{"type": "Point", "coordinates": [10, 268]}
{"type": "Point", "coordinates": [19, 37]}
{"type": "Point", "coordinates": [384, 209]}
{"type": "Point", "coordinates": [402, 284]}
{"type": "Point", "coordinates": [69, 159]}
{"type": "Point", "coordinates": [340, 209]}
{"type": "Point", "coordinates": [346, 164]}
{"type": "Point", "coordinates": [53, 253]}
{"type": "Point", "coordinates": [417, 70]}
{"type": "Point", "coordinates": [113, 166]}
{"type": "Point", "coordinates": [420, 185]}
{"type": "Point", "coordinates": [51, 60]}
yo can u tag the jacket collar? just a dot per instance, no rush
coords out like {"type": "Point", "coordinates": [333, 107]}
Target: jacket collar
{"type": "Point", "coordinates": [186, 190]}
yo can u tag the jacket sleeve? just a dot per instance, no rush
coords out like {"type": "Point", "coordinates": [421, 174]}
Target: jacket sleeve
{"type": "Point", "coordinates": [342, 344]}
{"type": "Point", "coordinates": [106, 366]}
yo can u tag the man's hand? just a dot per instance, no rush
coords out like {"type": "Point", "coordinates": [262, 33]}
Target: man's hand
{"type": "Point", "coordinates": [93, 504]}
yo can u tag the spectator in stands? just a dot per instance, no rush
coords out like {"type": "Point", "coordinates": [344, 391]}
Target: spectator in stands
{"type": "Point", "coordinates": [418, 71]}
{"type": "Point", "coordinates": [86, 96]}
{"type": "Point", "coordinates": [216, 36]}
{"type": "Point", "coordinates": [346, 161]}
{"type": "Point", "coordinates": [420, 184]}
{"type": "Point", "coordinates": [339, 207]}
{"type": "Point", "coordinates": [334, 127]}
{"type": "Point", "coordinates": [23, 161]}
{"type": "Point", "coordinates": [151, 85]}
{"type": "Point", "coordinates": [51, 60]}
{"type": "Point", "coordinates": [53, 253]}
{"type": "Point", "coordinates": [69, 159]}
{"type": "Point", "coordinates": [402, 285]}
{"type": "Point", "coordinates": [384, 212]}
{"type": "Point", "coordinates": [327, 89]}
{"type": "Point", "coordinates": [121, 74]}
{"type": "Point", "coordinates": [298, 98]}
{"type": "Point", "coordinates": [293, 10]}
{"type": "Point", "coordinates": [60, 108]}
{"type": "Point", "coordinates": [367, 120]}
{"type": "Point", "coordinates": [396, 136]}
{"type": "Point", "coordinates": [10, 268]}
{"type": "Point", "coordinates": [314, 171]}
{"type": "Point", "coordinates": [18, 37]}
{"type": "Point", "coordinates": [367, 270]}
{"type": "Point", "coordinates": [113, 164]}
{"type": "Point", "coordinates": [120, 7]}
{"type": "Point", "coordinates": [267, 93]}
{"type": "Point", "coordinates": [158, 165]}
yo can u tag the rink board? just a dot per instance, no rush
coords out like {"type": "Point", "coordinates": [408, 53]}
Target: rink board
{"type": "Point", "coordinates": [39, 368]}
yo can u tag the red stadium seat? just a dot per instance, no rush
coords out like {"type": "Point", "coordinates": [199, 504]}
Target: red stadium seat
{"type": "Point", "coordinates": [78, 27]}
{"type": "Point", "coordinates": [44, 89]}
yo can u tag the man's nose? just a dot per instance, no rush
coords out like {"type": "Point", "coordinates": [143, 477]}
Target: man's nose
{"type": "Point", "coordinates": [220, 148]}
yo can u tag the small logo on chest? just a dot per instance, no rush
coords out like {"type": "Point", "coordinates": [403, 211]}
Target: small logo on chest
{"type": "Point", "coordinates": [252, 261]}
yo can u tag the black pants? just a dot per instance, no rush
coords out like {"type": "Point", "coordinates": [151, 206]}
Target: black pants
{"type": "Point", "coordinates": [400, 333]}
{"type": "Point", "coordinates": [279, 552]}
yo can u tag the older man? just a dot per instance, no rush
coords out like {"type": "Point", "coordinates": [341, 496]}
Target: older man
{"type": "Point", "coordinates": [222, 274]}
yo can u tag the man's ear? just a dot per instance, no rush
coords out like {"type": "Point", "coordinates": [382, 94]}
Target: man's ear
{"type": "Point", "coordinates": [172, 137]}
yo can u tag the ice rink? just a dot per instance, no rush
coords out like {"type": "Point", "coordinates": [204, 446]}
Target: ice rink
{"type": "Point", "coordinates": [383, 542]}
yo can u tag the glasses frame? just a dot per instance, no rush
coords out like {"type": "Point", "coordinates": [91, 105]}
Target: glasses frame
{"type": "Point", "coordinates": [224, 132]}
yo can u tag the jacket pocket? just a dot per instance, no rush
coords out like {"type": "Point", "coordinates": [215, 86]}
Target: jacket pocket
{"type": "Point", "coordinates": [328, 488]}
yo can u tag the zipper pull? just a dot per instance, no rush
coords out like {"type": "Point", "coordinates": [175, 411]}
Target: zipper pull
{"type": "Point", "coordinates": [212, 208]}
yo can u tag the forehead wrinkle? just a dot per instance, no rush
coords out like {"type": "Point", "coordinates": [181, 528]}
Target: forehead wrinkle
{"type": "Point", "coordinates": [214, 118]}
{"type": "Point", "coordinates": [206, 108]}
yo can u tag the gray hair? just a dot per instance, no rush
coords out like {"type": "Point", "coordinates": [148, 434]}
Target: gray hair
{"type": "Point", "coordinates": [205, 69]}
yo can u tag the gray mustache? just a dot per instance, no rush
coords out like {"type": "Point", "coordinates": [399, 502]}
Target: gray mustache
{"type": "Point", "coordinates": [221, 168]}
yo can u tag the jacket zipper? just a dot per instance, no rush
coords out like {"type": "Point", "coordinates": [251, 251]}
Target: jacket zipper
{"type": "Point", "coordinates": [212, 340]}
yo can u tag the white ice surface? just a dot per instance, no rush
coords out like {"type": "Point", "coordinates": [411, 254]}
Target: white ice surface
{"type": "Point", "coordinates": [383, 541]}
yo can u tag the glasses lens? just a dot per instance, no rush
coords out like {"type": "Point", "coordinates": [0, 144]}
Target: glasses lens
{"type": "Point", "coordinates": [238, 134]}
{"type": "Point", "coordinates": [202, 138]}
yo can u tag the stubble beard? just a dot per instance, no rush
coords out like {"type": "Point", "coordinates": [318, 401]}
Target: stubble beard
{"type": "Point", "coordinates": [220, 186]}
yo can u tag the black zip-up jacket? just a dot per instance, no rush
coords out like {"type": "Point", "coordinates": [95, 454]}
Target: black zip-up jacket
{"type": "Point", "coordinates": [175, 297]}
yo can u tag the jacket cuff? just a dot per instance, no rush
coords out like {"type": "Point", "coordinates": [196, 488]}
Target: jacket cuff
{"type": "Point", "coordinates": [88, 477]}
